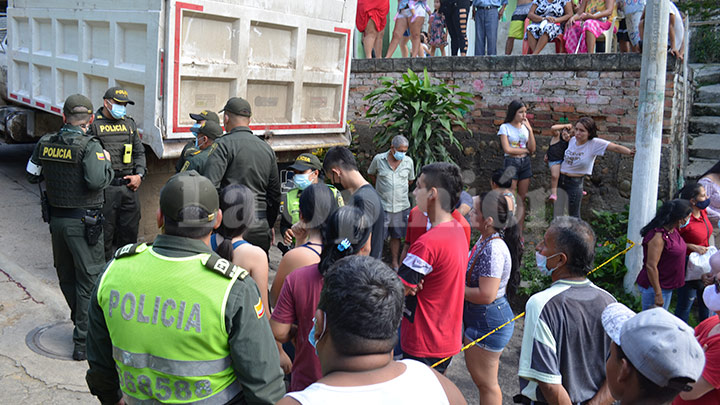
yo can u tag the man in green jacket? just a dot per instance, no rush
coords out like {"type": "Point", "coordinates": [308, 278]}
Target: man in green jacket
{"type": "Point", "coordinates": [174, 322]}
{"type": "Point", "coordinates": [194, 145]}
{"type": "Point", "coordinates": [195, 158]}
{"type": "Point", "coordinates": [242, 158]}
{"type": "Point", "coordinates": [76, 169]}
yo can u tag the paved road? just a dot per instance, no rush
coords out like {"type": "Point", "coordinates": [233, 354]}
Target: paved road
{"type": "Point", "coordinates": [31, 298]}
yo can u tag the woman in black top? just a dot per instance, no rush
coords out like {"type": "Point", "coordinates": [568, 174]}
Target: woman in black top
{"type": "Point", "coordinates": [556, 153]}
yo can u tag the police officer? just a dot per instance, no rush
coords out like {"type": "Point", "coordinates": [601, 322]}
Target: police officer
{"type": "Point", "coordinates": [242, 158]}
{"type": "Point", "coordinates": [175, 322]}
{"type": "Point", "coordinates": [119, 136]}
{"type": "Point", "coordinates": [76, 170]}
{"type": "Point", "coordinates": [192, 146]}
{"type": "Point", "coordinates": [307, 170]}
{"type": "Point", "coordinates": [195, 158]}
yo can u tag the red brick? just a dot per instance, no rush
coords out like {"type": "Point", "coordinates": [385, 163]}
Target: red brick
{"type": "Point", "coordinates": [564, 108]}
{"type": "Point", "coordinates": [611, 75]}
{"type": "Point", "coordinates": [613, 110]}
{"type": "Point", "coordinates": [632, 74]}
{"type": "Point", "coordinates": [610, 137]}
{"type": "Point", "coordinates": [588, 109]}
{"type": "Point", "coordinates": [627, 138]}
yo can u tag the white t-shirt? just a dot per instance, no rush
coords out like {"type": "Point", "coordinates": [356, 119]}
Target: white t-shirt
{"type": "Point", "coordinates": [517, 138]}
{"type": "Point", "coordinates": [579, 159]}
{"type": "Point", "coordinates": [679, 26]}
{"type": "Point", "coordinates": [417, 385]}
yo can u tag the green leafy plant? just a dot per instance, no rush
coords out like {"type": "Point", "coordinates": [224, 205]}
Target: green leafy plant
{"type": "Point", "coordinates": [423, 112]}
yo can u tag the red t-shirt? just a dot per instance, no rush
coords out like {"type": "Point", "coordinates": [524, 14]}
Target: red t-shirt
{"type": "Point", "coordinates": [698, 231]}
{"type": "Point", "coordinates": [711, 372]}
{"type": "Point", "coordinates": [432, 321]}
{"type": "Point", "coordinates": [418, 224]}
{"type": "Point", "coordinates": [297, 303]}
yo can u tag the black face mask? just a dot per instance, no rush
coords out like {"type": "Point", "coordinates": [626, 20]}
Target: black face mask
{"type": "Point", "coordinates": [337, 185]}
{"type": "Point", "coordinates": [703, 204]}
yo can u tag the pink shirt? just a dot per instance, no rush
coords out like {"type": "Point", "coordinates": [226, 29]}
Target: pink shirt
{"type": "Point", "coordinates": [671, 267]}
{"type": "Point", "coordinates": [297, 303]}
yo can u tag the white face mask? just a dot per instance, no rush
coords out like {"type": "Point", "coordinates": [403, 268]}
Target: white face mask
{"type": "Point", "coordinates": [711, 298]}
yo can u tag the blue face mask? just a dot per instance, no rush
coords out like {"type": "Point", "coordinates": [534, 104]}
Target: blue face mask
{"type": "Point", "coordinates": [399, 155]}
{"type": "Point", "coordinates": [686, 223]}
{"type": "Point", "coordinates": [703, 204]}
{"type": "Point", "coordinates": [302, 181]}
{"type": "Point", "coordinates": [195, 128]}
{"type": "Point", "coordinates": [311, 335]}
{"type": "Point", "coordinates": [118, 111]}
{"type": "Point", "coordinates": [541, 262]}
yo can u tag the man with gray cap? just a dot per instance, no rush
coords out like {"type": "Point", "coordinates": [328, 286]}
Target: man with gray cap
{"type": "Point", "coordinates": [242, 158]}
{"type": "Point", "coordinates": [118, 133]}
{"type": "Point", "coordinates": [174, 322]}
{"type": "Point", "coordinates": [192, 146]}
{"type": "Point", "coordinates": [195, 158]}
{"type": "Point", "coordinates": [653, 356]}
{"type": "Point", "coordinates": [76, 170]}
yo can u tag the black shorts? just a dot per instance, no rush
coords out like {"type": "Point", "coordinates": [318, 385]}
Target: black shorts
{"type": "Point", "coordinates": [429, 361]}
{"type": "Point", "coordinates": [622, 34]}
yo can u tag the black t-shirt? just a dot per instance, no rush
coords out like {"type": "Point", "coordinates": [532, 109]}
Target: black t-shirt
{"type": "Point", "coordinates": [368, 200]}
{"type": "Point", "coordinates": [556, 151]}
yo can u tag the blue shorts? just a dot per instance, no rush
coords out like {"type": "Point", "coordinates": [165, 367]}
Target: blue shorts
{"type": "Point", "coordinates": [553, 163]}
{"type": "Point", "coordinates": [523, 169]}
{"type": "Point", "coordinates": [481, 319]}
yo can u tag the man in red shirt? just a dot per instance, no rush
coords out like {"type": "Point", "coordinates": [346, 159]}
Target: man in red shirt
{"type": "Point", "coordinates": [433, 271]}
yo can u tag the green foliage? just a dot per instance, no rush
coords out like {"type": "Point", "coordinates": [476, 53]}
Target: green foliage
{"type": "Point", "coordinates": [610, 230]}
{"type": "Point", "coordinates": [423, 112]}
{"type": "Point", "coordinates": [705, 45]}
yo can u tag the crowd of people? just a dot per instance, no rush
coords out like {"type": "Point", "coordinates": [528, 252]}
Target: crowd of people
{"type": "Point", "coordinates": [194, 316]}
{"type": "Point", "coordinates": [575, 26]}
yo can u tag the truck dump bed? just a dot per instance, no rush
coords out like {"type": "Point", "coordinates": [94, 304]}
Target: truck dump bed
{"type": "Point", "coordinates": [290, 60]}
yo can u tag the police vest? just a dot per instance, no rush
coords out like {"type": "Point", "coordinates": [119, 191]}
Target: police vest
{"type": "Point", "coordinates": [61, 156]}
{"type": "Point", "coordinates": [166, 321]}
{"type": "Point", "coordinates": [291, 211]}
{"type": "Point", "coordinates": [117, 138]}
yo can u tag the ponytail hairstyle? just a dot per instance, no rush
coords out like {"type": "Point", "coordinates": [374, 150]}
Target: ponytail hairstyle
{"type": "Point", "coordinates": [690, 191]}
{"type": "Point", "coordinates": [494, 205]}
{"type": "Point", "coordinates": [317, 202]}
{"type": "Point", "coordinates": [513, 108]}
{"type": "Point", "coordinates": [668, 213]}
{"type": "Point", "coordinates": [237, 203]}
{"type": "Point", "coordinates": [589, 125]}
{"type": "Point", "coordinates": [345, 233]}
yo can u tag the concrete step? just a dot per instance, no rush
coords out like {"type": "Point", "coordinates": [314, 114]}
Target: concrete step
{"type": "Point", "coordinates": [707, 74]}
{"type": "Point", "coordinates": [705, 146]}
{"type": "Point", "coordinates": [705, 125]}
{"type": "Point", "coordinates": [700, 109]}
{"type": "Point", "coordinates": [698, 167]}
{"type": "Point", "coordinates": [708, 94]}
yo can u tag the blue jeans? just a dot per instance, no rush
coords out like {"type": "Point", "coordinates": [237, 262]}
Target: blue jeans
{"type": "Point", "coordinates": [486, 27]}
{"type": "Point", "coordinates": [685, 297]}
{"type": "Point", "coordinates": [480, 320]}
{"type": "Point", "coordinates": [647, 296]}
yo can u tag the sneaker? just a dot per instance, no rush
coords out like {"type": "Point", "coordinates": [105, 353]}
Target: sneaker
{"type": "Point", "coordinates": [552, 197]}
{"type": "Point", "coordinates": [79, 355]}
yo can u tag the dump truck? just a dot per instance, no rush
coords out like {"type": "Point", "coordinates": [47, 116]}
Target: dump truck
{"type": "Point", "coordinates": [289, 59]}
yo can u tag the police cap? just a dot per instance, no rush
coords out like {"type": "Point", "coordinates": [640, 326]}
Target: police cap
{"type": "Point", "coordinates": [306, 161]}
{"type": "Point", "coordinates": [77, 100]}
{"type": "Point", "coordinates": [206, 115]}
{"type": "Point", "coordinates": [238, 106]}
{"type": "Point", "coordinates": [117, 94]}
{"type": "Point", "coordinates": [189, 189]}
{"type": "Point", "coordinates": [211, 130]}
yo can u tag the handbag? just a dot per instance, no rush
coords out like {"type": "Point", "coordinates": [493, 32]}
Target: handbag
{"type": "Point", "coordinates": [698, 264]}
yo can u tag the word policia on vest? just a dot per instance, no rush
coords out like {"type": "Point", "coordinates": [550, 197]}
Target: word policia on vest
{"type": "Point", "coordinates": [57, 153]}
{"type": "Point", "coordinates": [113, 128]}
{"type": "Point", "coordinates": [136, 307]}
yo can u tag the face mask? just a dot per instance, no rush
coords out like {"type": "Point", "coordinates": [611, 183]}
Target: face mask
{"type": "Point", "coordinates": [703, 204]}
{"type": "Point", "coordinates": [302, 181]}
{"type": "Point", "coordinates": [311, 336]}
{"type": "Point", "coordinates": [399, 155]}
{"type": "Point", "coordinates": [118, 111]}
{"type": "Point", "coordinates": [686, 223]}
{"type": "Point", "coordinates": [195, 128]}
{"type": "Point", "coordinates": [711, 298]}
{"type": "Point", "coordinates": [541, 262]}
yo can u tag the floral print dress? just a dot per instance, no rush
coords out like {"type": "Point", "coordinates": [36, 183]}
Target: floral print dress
{"type": "Point", "coordinates": [547, 8]}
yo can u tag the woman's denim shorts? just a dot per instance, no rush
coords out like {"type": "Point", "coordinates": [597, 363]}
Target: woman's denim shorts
{"type": "Point", "coordinates": [481, 319]}
{"type": "Point", "coordinates": [523, 168]}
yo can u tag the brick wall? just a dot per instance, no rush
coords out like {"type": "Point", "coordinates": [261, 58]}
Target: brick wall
{"type": "Point", "coordinates": [602, 86]}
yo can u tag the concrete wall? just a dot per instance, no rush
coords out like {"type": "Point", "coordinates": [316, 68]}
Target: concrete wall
{"type": "Point", "coordinates": [602, 86]}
